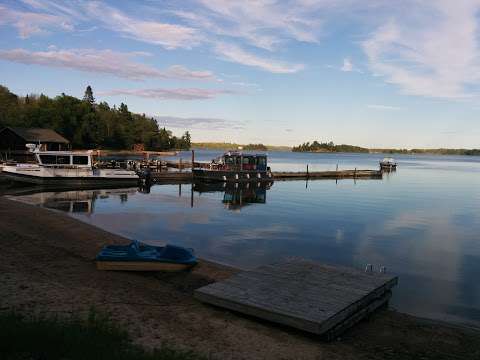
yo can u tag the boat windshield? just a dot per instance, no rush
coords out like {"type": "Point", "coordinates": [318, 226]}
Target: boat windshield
{"type": "Point", "coordinates": [65, 159]}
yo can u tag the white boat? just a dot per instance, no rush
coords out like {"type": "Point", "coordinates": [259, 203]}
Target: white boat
{"type": "Point", "coordinates": [67, 168]}
{"type": "Point", "coordinates": [388, 163]}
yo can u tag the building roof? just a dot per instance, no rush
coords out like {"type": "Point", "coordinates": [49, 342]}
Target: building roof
{"type": "Point", "coordinates": [35, 135]}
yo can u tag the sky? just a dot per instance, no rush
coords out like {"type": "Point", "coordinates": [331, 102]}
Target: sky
{"type": "Point", "coordinates": [370, 73]}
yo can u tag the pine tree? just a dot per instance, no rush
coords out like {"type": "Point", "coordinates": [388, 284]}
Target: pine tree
{"type": "Point", "coordinates": [88, 97]}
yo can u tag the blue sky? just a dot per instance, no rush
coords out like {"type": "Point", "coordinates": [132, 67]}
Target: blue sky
{"type": "Point", "coordinates": [370, 73]}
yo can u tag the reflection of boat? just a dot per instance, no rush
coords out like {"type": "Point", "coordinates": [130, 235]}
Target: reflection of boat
{"type": "Point", "coordinates": [234, 166]}
{"type": "Point", "coordinates": [67, 168]}
{"type": "Point", "coordinates": [141, 257]}
{"type": "Point", "coordinates": [78, 201]}
{"type": "Point", "coordinates": [237, 195]}
{"type": "Point", "coordinates": [388, 164]}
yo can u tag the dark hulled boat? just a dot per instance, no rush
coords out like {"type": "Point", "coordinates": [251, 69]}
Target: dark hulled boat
{"type": "Point", "coordinates": [234, 166]}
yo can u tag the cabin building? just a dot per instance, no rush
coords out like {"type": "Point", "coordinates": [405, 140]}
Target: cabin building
{"type": "Point", "coordinates": [13, 141]}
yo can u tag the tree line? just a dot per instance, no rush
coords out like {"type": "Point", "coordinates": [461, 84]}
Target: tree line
{"type": "Point", "coordinates": [85, 123]}
{"type": "Point", "coordinates": [315, 146]}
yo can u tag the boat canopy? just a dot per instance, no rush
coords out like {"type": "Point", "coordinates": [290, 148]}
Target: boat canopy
{"type": "Point", "coordinates": [234, 160]}
{"type": "Point", "coordinates": [67, 158]}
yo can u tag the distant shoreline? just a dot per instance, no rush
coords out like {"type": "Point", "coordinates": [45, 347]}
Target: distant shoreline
{"type": "Point", "coordinates": [256, 147]}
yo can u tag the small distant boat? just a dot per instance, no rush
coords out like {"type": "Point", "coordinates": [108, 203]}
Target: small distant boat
{"type": "Point", "coordinates": [388, 164]}
{"type": "Point", "coordinates": [141, 257]}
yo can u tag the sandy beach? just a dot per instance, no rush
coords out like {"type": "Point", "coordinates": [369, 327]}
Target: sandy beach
{"type": "Point", "coordinates": [46, 266]}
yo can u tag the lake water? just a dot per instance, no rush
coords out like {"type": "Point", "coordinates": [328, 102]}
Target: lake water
{"type": "Point", "coordinates": [422, 222]}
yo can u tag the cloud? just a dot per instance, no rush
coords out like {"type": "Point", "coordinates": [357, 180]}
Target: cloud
{"type": "Point", "coordinates": [347, 65]}
{"type": "Point", "coordinates": [170, 94]}
{"type": "Point", "coordinates": [29, 23]}
{"type": "Point", "coordinates": [434, 53]}
{"type": "Point", "coordinates": [236, 54]}
{"type": "Point", "coordinates": [263, 24]}
{"type": "Point", "coordinates": [102, 61]}
{"type": "Point", "coordinates": [383, 107]}
{"type": "Point", "coordinates": [198, 123]}
{"type": "Point", "coordinates": [169, 36]}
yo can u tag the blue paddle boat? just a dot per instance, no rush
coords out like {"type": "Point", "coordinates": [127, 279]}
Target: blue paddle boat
{"type": "Point", "coordinates": [141, 257]}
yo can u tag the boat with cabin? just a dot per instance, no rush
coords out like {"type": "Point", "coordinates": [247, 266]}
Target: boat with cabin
{"type": "Point", "coordinates": [67, 168]}
{"type": "Point", "coordinates": [234, 166]}
{"type": "Point", "coordinates": [388, 164]}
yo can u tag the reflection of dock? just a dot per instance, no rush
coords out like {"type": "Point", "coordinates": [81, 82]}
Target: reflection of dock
{"type": "Point", "coordinates": [321, 299]}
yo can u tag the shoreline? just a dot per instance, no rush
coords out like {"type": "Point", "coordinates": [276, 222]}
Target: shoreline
{"type": "Point", "coordinates": [47, 267]}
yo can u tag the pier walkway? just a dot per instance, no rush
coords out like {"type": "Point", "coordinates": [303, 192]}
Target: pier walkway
{"type": "Point", "coordinates": [185, 176]}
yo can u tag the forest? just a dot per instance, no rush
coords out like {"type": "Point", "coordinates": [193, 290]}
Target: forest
{"type": "Point", "coordinates": [87, 124]}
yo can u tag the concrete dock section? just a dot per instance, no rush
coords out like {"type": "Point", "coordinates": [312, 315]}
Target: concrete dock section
{"type": "Point", "coordinates": [317, 298]}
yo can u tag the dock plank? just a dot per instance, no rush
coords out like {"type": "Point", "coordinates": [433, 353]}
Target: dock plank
{"type": "Point", "coordinates": [310, 296]}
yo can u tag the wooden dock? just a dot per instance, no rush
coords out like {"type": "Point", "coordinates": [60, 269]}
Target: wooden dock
{"type": "Point", "coordinates": [317, 298]}
{"type": "Point", "coordinates": [169, 176]}
{"type": "Point", "coordinates": [339, 174]}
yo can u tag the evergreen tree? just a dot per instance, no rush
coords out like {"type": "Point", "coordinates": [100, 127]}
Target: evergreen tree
{"type": "Point", "coordinates": [88, 97]}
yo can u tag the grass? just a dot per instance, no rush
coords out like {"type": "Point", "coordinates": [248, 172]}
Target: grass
{"type": "Point", "coordinates": [54, 338]}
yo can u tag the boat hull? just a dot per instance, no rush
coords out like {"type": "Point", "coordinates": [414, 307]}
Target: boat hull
{"type": "Point", "coordinates": [141, 266]}
{"type": "Point", "coordinates": [232, 176]}
{"type": "Point", "coordinates": [70, 181]}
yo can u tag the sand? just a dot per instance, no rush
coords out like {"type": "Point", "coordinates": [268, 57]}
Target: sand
{"type": "Point", "coordinates": [47, 266]}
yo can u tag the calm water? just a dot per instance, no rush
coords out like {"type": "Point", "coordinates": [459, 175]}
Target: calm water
{"type": "Point", "coordinates": [421, 222]}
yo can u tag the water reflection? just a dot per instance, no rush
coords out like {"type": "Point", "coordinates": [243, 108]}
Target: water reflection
{"type": "Point", "coordinates": [236, 195]}
{"type": "Point", "coordinates": [76, 201]}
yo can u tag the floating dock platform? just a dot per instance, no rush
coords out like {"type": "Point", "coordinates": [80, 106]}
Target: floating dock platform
{"type": "Point", "coordinates": [317, 298]}
{"type": "Point", "coordinates": [185, 176]}
{"type": "Point", "coordinates": [339, 174]}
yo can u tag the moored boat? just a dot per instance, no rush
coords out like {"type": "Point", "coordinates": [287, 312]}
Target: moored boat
{"type": "Point", "coordinates": [234, 166]}
{"type": "Point", "coordinates": [141, 257]}
{"type": "Point", "coordinates": [68, 168]}
{"type": "Point", "coordinates": [388, 164]}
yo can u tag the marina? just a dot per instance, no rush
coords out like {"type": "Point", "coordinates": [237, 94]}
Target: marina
{"type": "Point", "coordinates": [411, 221]}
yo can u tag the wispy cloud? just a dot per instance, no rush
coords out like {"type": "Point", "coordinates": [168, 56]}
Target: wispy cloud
{"type": "Point", "coordinates": [30, 23]}
{"type": "Point", "coordinates": [170, 94]}
{"type": "Point", "coordinates": [102, 61]}
{"type": "Point", "coordinates": [433, 54]}
{"type": "Point", "coordinates": [238, 55]}
{"type": "Point", "coordinates": [198, 123]}
{"type": "Point", "coordinates": [263, 24]}
{"type": "Point", "coordinates": [383, 107]}
{"type": "Point", "coordinates": [169, 36]}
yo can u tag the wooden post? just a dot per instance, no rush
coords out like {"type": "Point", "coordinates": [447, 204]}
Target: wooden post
{"type": "Point", "coordinates": [337, 168]}
{"type": "Point", "coordinates": [180, 164]}
{"type": "Point", "coordinates": [355, 173]}
{"type": "Point", "coordinates": [307, 171]}
{"type": "Point", "coordinates": [193, 159]}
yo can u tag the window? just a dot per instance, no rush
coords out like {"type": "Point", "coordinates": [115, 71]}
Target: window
{"type": "Point", "coordinates": [48, 159]}
{"type": "Point", "coordinates": [80, 160]}
{"type": "Point", "coordinates": [63, 159]}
